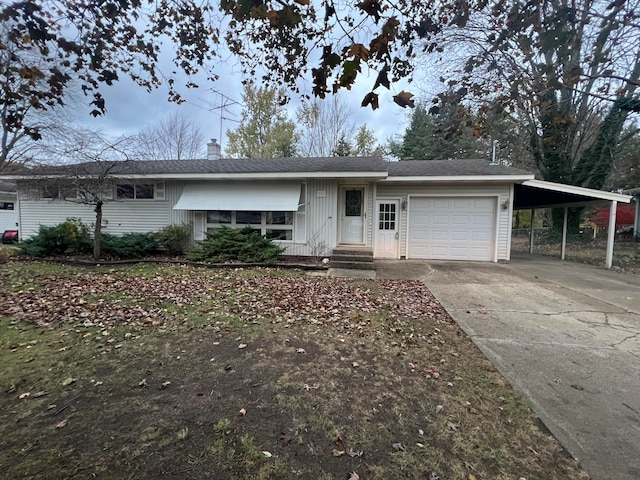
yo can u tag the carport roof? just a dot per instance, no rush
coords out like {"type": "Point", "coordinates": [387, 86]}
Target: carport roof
{"type": "Point", "coordinates": [542, 194]}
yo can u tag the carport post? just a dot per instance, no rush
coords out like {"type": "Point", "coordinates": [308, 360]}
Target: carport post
{"type": "Point", "coordinates": [636, 221]}
{"type": "Point", "coordinates": [611, 234]}
{"type": "Point", "coordinates": [563, 250]}
{"type": "Point", "coordinates": [533, 213]}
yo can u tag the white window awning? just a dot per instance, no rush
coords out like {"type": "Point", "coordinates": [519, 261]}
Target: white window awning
{"type": "Point", "coordinates": [240, 196]}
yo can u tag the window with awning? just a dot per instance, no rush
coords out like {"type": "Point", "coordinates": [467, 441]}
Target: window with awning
{"type": "Point", "coordinates": [276, 210]}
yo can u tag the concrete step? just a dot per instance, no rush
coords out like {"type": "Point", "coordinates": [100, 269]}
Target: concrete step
{"type": "Point", "coordinates": [352, 265]}
{"type": "Point", "coordinates": [355, 252]}
{"type": "Point", "coordinates": [350, 258]}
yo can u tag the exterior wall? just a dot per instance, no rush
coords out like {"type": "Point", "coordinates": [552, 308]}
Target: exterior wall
{"type": "Point", "coordinates": [403, 190]}
{"type": "Point", "coordinates": [321, 221]}
{"type": "Point", "coordinates": [320, 229]}
{"type": "Point", "coordinates": [121, 216]}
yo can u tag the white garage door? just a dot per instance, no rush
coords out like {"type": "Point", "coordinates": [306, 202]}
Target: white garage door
{"type": "Point", "coordinates": [452, 228]}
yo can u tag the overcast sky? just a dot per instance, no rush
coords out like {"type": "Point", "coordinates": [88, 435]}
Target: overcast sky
{"type": "Point", "coordinates": [131, 108]}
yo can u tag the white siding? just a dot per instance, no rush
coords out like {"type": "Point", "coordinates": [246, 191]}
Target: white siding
{"type": "Point", "coordinates": [122, 216]}
{"type": "Point", "coordinates": [321, 221]}
{"type": "Point", "coordinates": [402, 190]}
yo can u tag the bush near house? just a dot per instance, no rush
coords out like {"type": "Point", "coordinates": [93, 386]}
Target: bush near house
{"type": "Point", "coordinates": [129, 245]}
{"type": "Point", "coordinates": [229, 244]}
{"type": "Point", "coordinates": [71, 236]}
{"type": "Point", "coordinates": [174, 238]}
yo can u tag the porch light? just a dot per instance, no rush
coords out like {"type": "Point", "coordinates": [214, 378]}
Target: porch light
{"type": "Point", "coordinates": [404, 204]}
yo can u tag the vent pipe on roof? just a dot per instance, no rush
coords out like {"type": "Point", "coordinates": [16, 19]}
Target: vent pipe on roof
{"type": "Point", "coordinates": [213, 150]}
{"type": "Point", "coordinates": [494, 153]}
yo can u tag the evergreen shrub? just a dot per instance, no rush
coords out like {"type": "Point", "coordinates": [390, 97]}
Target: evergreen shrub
{"type": "Point", "coordinates": [129, 245]}
{"type": "Point", "coordinates": [71, 236]}
{"type": "Point", "coordinates": [236, 245]}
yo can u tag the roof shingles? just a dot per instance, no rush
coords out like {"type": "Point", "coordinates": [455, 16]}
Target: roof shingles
{"type": "Point", "coordinates": [412, 168]}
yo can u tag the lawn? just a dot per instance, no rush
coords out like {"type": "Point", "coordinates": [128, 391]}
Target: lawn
{"type": "Point", "coordinates": [171, 371]}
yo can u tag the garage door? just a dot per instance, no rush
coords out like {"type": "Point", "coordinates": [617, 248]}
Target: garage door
{"type": "Point", "coordinates": [452, 228]}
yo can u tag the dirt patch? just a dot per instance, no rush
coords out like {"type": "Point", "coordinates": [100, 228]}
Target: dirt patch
{"type": "Point", "coordinates": [251, 374]}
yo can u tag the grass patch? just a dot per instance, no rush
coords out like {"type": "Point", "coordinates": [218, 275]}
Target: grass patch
{"type": "Point", "coordinates": [250, 374]}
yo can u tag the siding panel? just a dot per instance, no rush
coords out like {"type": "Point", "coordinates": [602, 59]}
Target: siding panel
{"type": "Point", "coordinates": [119, 217]}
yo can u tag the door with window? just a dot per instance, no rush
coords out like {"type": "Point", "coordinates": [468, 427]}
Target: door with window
{"type": "Point", "coordinates": [387, 236]}
{"type": "Point", "coordinates": [352, 218]}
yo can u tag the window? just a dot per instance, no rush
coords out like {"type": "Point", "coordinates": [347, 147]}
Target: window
{"type": "Point", "coordinates": [273, 225]}
{"type": "Point", "coordinates": [49, 191]}
{"type": "Point", "coordinates": [387, 216]}
{"type": "Point", "coordinates": [7, 206]}
{"type": "Point", "coordinates": [219, 216]}
{"type": "Point", "coordinates": [137, 191]}
{"type": "Point", "coordinates": [353, 203]}
{"type": "Point", "coordinates": [248, 218]}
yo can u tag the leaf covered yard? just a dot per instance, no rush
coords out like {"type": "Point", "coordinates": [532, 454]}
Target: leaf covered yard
{"type": "Point", "coordinates": [151, 371]}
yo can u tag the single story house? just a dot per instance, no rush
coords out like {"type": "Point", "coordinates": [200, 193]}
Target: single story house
{"type": "Point", "coordinates": [9, 218]}
{"type": "Point", "coordinates": [441, 209]}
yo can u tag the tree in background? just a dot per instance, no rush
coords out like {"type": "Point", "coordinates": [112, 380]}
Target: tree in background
{"type": "Point", "coordinates": [175, 138]}
{"type": "Point", "coordinates": [439, 136]}
{"type": "Point", "coordinates": [323, 124]}
{"type": "Point", "coordinates": [625, 172]}
{"type": "Point", "coordinates": [366, 143]}
{"type": "Point", "coordinates": [571, 71]}
{"type": "Point", "coordinates": [343, 148]}
{"type": "Point", "coordinates": [265, 130]}
{"type": "Point", "coordinates": [363, 145]}
{"type": "Point", "coordinates": [555, 61]}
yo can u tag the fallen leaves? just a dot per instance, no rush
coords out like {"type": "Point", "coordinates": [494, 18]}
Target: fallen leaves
{"type": "Point", "coordinates": [62, 424]}
{"type": "Point", "coordinates": [95, 299]}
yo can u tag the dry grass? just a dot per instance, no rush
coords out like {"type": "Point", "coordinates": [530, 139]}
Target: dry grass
{"type": "Point", "coordinates": [322, 394]}
{"type": "Point", "coordinates": [626, 253]}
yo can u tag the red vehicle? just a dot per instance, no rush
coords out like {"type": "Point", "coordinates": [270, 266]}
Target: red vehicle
{"type": "Point", "coordinates": [10, 236]}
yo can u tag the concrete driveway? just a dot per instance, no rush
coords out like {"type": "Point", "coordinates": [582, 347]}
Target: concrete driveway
{"type": "Point", "coordinates": [566, 335]}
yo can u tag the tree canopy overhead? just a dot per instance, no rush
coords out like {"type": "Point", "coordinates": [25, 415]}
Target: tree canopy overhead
{"type": "Point", "coordinates": [550, 58]}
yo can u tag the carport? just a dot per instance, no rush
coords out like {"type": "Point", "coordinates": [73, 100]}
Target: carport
{"type": "Point", "coordinates": [537, 194]}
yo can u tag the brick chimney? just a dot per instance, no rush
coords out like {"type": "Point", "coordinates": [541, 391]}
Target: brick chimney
{"type": "Point", "coordinates": [213, 150]}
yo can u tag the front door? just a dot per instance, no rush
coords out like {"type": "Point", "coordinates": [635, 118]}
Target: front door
{"type": "Point", "coordinates": [352, 220]}
{"type": "Point", "coordinates": [387, 233]}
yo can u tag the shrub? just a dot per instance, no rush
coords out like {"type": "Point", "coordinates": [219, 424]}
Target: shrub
{"type": "Point", "coordinates": [229, 244]}
{"type": "Point", "coordinates": [129, 245]}
{"type": "Point", "coordinates": [70, 236]}
{"type": "Point", "coordinates": [174, 238]}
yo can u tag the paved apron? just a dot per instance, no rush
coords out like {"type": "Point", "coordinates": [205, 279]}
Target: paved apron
{"type": "Point", "coordinates": [566, 335]}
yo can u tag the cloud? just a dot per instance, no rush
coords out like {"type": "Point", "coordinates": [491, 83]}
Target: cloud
{"type": "Point", "coordinates": [130, 108]}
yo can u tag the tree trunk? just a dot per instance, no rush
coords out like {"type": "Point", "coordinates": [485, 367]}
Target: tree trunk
{"type": "Point", "coordinates": [97, 231]}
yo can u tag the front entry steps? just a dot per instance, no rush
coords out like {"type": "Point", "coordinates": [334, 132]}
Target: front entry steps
{"type": "Point", "coordinates": [352, 262]}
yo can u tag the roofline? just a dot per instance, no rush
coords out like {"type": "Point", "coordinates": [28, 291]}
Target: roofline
{"type": "Point", "coordinates": [582, 191]}
{"type": "Point", "coordinates": [216, 176]}
{"type": "Point", "coordinates": [460, 178]}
